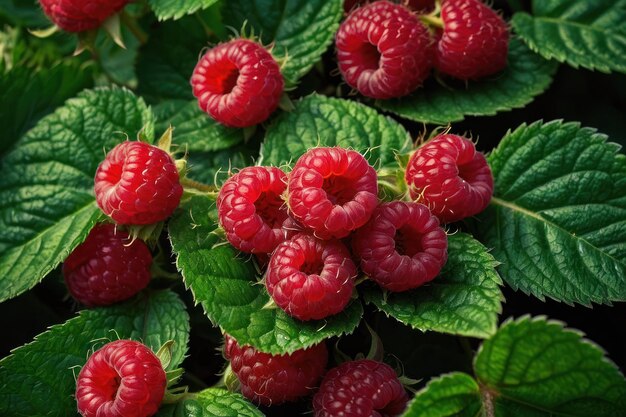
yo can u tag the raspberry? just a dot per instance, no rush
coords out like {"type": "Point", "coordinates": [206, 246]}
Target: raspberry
{"type": "Point", "coordinates": [251, 210]}
{"type": "Point", "coordinates": [121, 379]}
{"type": "Point", "coordinates": [475, 40]}
{"type": "Point", "coordinates": [450, 177]}
{"type": "Point", "coordinates": [332, 191]}
{"type": "Point", "coordinates": [384, 51]}
{"type": "Point", "coordinates": [275, 379]}
{"type": "Point", "coordinates": [107, 267]}
{"type": "Point", "coordinates": [402, 246]}
{"type": "Point", "coordinates": [360, 388]}
{"type": "Point", "coordinates": [311, 278]}
{"type": "Point", "coordinates": [238, 83]}
{"type": "Point", "coordinates": [137, 183]}
{"type": "Point", "coordinates": [80, 15]}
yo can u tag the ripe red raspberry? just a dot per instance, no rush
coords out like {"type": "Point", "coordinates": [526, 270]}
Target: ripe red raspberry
{"type": "Point", "coordinates": [137, 183]}
{"type": "Point", "coordinates": [238, 83]}
{"type": "Point", "coordinates": [310, 278]}
{"type": "Point", "coordinates": [107, 267]}
{"type": "Point", "coordinates": [275, 379]}
{"type": "Point", "coordinates": [80, 15]}
{"type": "Point", "coordinates": [475, 40]}
{"type": "Point", "coordinates": [121, 379]}
{"type": "Point", "coordinates": [332, 191]}
{"type": "Point", "coordinates": [450, 177]}
{"type": "Point", "coordinates": [251, 210]}
{"type": "Point", "coordinates": [360, 388]}
{"type": "Point", "coordinates": [384, 51]}
{"type": "Point", "coordinates": [402, 246]}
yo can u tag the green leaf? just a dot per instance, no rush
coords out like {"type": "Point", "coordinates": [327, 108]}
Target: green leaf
{"type": "Point", "coordinates": [529, 368]}
{"type": "Point", "coordinates": [558, 219]}
{"type": "Point", "coordinates": [194, 130]}
{"type": "Point", "coordinates": [47, 204]}
{"type": "Point", "coordinates": [227, 287]}
{"type": "Point", "coordinates": [300, 30]}
{"type": "Point", "coordinates": [589, 34]}
{"type": "Point", "coordinates": [213, 167]}
{"type": "Point", "coordinates": [38, 378]}
{"type": "Point", "coordinates": [464, 299]}
{"type": "Point", "coordinates": [175, 9]}
{"type": "Point", "coordinates": [323, 121]}
{"type": "Point", "coordinates": [27, 95]}
{"type": "Point", "coordinates": [212, 402]}
{"type": "Point", "coordinates": [24, 13]}
{"type": "Point", "coordinates": [526, 76]}
{"type": "Point", "coordinates": [456, 394]}
{"type": "Point", "coordinates": [533, 367]}
{"type": "Point", "coordinates": [166, 62]}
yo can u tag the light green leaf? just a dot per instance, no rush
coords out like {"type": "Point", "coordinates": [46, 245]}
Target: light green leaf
{"type": "Point", "coordinates": [47, 204]}
{"type": "Point", "coordinates": [38, 379]}
{"type": "Point", "coordinates": [526, 76]}
{"type": "Point", "coordinates": [529, 368]}
{"type": "Point", "coordinates": [456, 394]}
{"type": "Point", "coordinates": [324, 121]}
{"type": "Point", "coordinates": [175, 9]}
{"type": "Point", "coordinates": [300, 30]}
{"type": "Point", "coordinates": [212, 402]}
{"type": "Point", "coordinates": [194, 130]}
{"type": "Point", "coordinates": [534, 367]}
{"type": "Point", "coordinates": [589, 33]}
{"type": "Point", "coordinates": [558, 219]}
{"type": "Point", "coordinates": [226, 285]}
{"type": "Point", "coordinates": [464, 299]}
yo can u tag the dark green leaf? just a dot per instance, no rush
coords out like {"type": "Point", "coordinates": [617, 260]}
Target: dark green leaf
{"type": "Point", "coordinates": [227, 287]}
{"type": "Point", "coordinates": [526, 76]}
{"type": "Point", "coordinates": [589, 33]}
{"type": "Point", "coordinates": [300, 30]}
{"type": "Point", "coordinates": [464, 299]}
{"type": "Point", "coordinates": [47, 204]}
{"type": "Point", "coordinates": [24, 13]}
{"type": "Point", "coordinates": [558, 219]}
{"type": "Point", "coordinates": [38, 379]}
{"type": "Point", "coordinates": [175, 9]}
{"type": "Point", "coordinates": [324, 121]}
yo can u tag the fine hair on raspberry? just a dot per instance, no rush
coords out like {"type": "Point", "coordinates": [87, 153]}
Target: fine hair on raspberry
{"type": "Point", "coordinates": [238, 83]}
{"type": "Point", "coordinates": [81, 15]}
{"type": "Point", "coordinates": [311, 278]}
{"type": "Point", "coordinates": [361, 388]}
{"type": "Point", "coordinates": [383, 50]}
{"type": "Point", "coordinates": [402, 246]}
{"type": "Point", "coordinates": [449, 176]}
{"type": "Point", "coordinates": [332, 191]}
{"type": "Point", "coordinates": [108, 267]}
{"type": "Point", "coordinates": [137, 184]}
{"type": "Point", "coordinates": [251, 209]}
{"type": "Point", "coordinates": [275, 379]}
{"type": "Point", "coordinates": [124, 378]}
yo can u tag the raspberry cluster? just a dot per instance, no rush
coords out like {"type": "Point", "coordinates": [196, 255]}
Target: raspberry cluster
{"type": "Point", "coordinates": [322, 221]}
{"type": "Point", "coordinates": [385, 50]}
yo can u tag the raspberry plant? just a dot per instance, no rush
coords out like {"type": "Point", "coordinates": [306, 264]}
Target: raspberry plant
{"type": "Point", "coordinates": [275, 207]}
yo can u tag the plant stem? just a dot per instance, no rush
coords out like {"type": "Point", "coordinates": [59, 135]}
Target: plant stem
{"type": "Point", "coordinates": [190, 185]}
{"type": "Point", "coordinates": [134, 28]}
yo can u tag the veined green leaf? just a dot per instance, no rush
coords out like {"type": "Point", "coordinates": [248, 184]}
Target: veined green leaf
{"type": "Point", "coordinates": [212, 402]}
{"type": "Point", "coordinates": [175, 9]}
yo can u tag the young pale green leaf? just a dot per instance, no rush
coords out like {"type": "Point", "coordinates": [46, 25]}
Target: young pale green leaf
{"type": "Point", "coordinates": [226, 286]}
{"type": "Point", "coordinates": [47, 204]}
{"type": "Point", "coordinates": [194, 130]}
{"type": "Point", "coordinates": [166, 62]}
{"type": "Point", "coordinates": [588, 33]}
{"type": "Point", "coordinates": [464, 299]}
{"type": "Point", "coordinates": [175, 9]}
{"type": "Point", "coordinates": [212, 402]}
{"type": "Point", "coordinates": [526, 76]}
{"type": "Point", "coordinates": [558, 219]}
{"type": "Point", "coordinates": [299, 30]}
{"type": "Point", "coordinates": [27, 95]}
{"type": "Point", "coordinates": [456, 394]}
{"type": "Point", "coordinates": [323, 121]}
{"type": "Point", "coordinates": [39, 378]}
{"type": "Point", "coordinates": [534, 367]}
